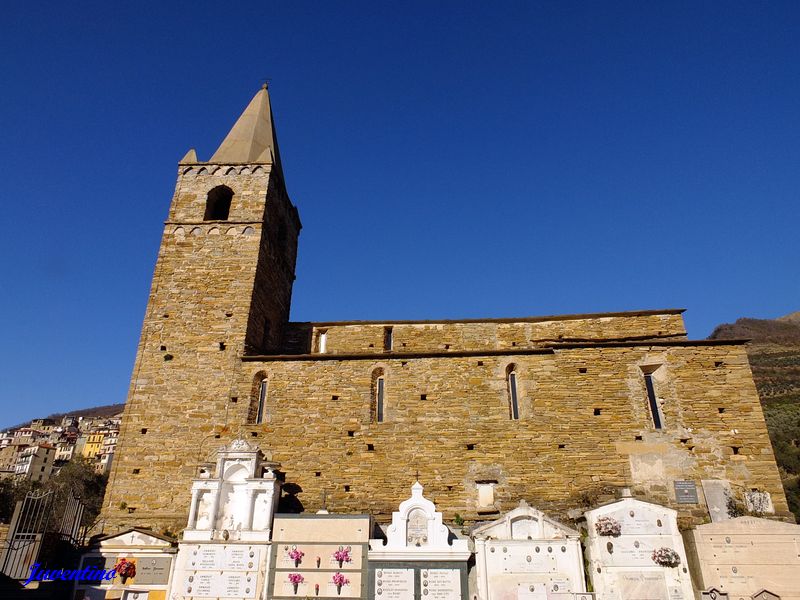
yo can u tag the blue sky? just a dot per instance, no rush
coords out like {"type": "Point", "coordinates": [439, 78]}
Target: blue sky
{"type": "Point", "coordinates": [448, 160]}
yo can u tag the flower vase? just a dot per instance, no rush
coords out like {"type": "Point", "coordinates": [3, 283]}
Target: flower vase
{"type": "Point", "coordinates": [339, 588]}
{"type": "Point", "coordinates": [294, 585]}
{"type": "Point", "coordinates": [318, 561]}
{"type": "Point", "coordinates": [340, 565]}
{"type": "Point", "coordinates": [296, 562]}
{"type": "Point", "coordinates": [124, 579]}
{"type": "Point", "coordinates": [316, 589]}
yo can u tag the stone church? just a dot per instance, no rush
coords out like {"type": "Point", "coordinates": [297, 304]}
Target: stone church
{"type": "Point", "coordinates": [559, 411]}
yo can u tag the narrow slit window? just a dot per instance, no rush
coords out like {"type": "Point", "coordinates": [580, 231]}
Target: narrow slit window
{"type": "Point", "coordinates": [513, 401]}
{"type": "Point", "coordinates": [655, 409]}
{"type": "Point", "coordinates": [379, 393]}
{"type": "Point", "coordinates": [323, 342]}
{"type": "Point", "coordinates": [387, 338]}
{"type": "Point", "coordinates": [262, 401]}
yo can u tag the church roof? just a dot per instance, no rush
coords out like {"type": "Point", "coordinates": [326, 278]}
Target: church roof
{"type": "Point", "coordinates": [252, 138]}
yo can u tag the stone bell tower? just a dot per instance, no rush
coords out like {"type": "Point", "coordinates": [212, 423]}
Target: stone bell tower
{"type": "Point", "coordinates": [221, 289]}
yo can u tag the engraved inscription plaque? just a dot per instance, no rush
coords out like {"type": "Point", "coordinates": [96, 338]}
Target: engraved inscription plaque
{"type": "Point", "coordinates": [686, 492]}
{"type": "Point", "coordinates": [440, 584]}
{"type": "Point", "coordinates": [394, 584]}
{"type": "Point", "coordinates": [643, 586]}
{"type": "Point", "coordinates": [417, 528]}
{"type": "Point", "coordinates": [153, 571]}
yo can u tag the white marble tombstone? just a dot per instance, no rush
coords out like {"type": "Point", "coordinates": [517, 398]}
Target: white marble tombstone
{"type": "Point", "coordinates": [420, 557]}
{"type": "Point", "coordinates": [623, 566]}
{"type": "Point", "coordinates": [417, 533]}
{"type": "Point", "coordinates": [746, 555]}
{"type": "Point", "coordinates": [225, 547]}
{"type": "Point", "coordinates": [525, 554]}
{"type": "Point", "coordinates": [239, 501]}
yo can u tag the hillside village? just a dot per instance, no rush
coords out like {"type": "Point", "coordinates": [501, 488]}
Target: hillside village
{"type": "Point", "coordinates": [39, 450]}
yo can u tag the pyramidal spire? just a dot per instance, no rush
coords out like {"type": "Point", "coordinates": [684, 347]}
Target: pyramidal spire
{"type": "Point", "coordinates": [252, 138]}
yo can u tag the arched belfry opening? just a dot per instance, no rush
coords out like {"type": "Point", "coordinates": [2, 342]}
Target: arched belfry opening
{"type": "Point", "coordinates": [218, 203]}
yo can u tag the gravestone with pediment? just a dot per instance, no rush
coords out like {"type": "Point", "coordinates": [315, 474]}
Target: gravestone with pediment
{"type": "Point", "coordinates": [636, 552]}
{"type": "Point", "coordinates": [225, 546]}
{"type": "Point", "coordinates": [745, 556]}
{"type": "Point", "coordinates": [525, 554]}
{"type": "Point", "coordinates": [152, 554]}
{"type": "Point", "coordinates": [420, 559]}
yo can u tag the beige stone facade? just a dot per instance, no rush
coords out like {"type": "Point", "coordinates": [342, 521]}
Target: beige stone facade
{"type": "Point", "coordinates": [216, 342]}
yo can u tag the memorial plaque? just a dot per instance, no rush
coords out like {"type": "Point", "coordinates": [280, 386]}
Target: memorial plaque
{"type": "Point", "coordinates": [200, 584]}
{"type": "Point", "coordinates": [241, 558]}
{"type": "Point", "coordinates": [394, 584]}
{"type": "Point", "coordinates": [215, 585]}
{"type": "Point", "coordinates": [716, 493]}
{"type": "Point", "coordinates": [685, 492]}
{"type": "Point", "coordinates": [675, 593]}
{"type": "Point", "coordinates": [440, 584]}
{"type": "Point", "coordinates": [206, 558]}
{"type": "Point", "coordinates": [236, 585]}
{"type": "Point", "coordinates": [529, 560]}
{"type": "Point", "coordinates": [532, 591]}
{"type": "Point", "coordinates": [643, 585]}
{"type": "Point", "coordinates": [153, 571]}
{"type": "Point", "coordinates": [634, 522]}
{"type": "Point", "coordinates": [417, 528]}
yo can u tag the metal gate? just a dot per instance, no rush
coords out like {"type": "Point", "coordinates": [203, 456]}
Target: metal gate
{"type": "Point", "coordinates": [70, 530]}
{"type": "Point", "coordinates": [30, 528]}
{"type": "Point", "coordinates": [25, 534]}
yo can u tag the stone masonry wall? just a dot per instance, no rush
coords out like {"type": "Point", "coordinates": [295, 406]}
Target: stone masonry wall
{"type": "Point", "coordinates": [585, 428]}
{"type": "Point", "coordinates": [193, 335]}
{"type": "Point", "coordinates": [493, 334]}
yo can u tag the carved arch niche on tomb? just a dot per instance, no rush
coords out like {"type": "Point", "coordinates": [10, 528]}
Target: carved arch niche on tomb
{"type": "Point", "coordinates": [225, 546]}
{"type": "Point", "coordinates": [417, 524]}
{"type": "Point", "coordinates": [238, 502]}
{"type": "Point", "coordinates": [526, 554]}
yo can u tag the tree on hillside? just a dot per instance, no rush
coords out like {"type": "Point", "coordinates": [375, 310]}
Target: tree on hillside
{"type": "Point", "coordinates": [77, 477]}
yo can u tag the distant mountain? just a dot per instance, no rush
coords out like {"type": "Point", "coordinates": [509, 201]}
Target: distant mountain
{"type": "Point", "coordinates": [782, 331]}
{"type": "Point", "coordinates": [774, 352]}
{"type": "Point", "coordinates": [107, 410]}
{"type": "Point", "coordinates": [791, 318]}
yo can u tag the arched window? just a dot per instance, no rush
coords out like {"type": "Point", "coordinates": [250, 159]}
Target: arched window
{"type": "Point", "coordinates": [653, 402]}
{"type": "Point", "coordinates": [262, 401]}
{"type": "Point", "coordinates": [218, 203]}
{"type": "Point", "coordinates": [259, 411]}
{"type": "Point", "coordinates": [322, 341]}
{"type": "Point", "coordinates": [513, 398]}
{"type": "Point", "coordinates": [378, 403]}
